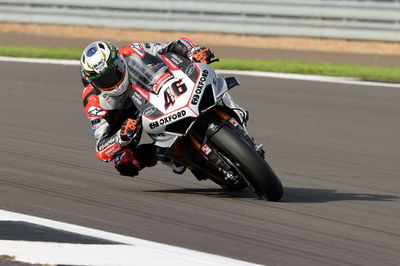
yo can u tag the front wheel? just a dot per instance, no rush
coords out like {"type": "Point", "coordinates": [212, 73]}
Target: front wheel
{"type": "Point", "coordinates": [256, 170]}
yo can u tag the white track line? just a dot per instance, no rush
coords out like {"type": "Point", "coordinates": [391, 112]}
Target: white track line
{"type": "Point", "coordinates": [39, 60]}
{"type": "Point", "coordinates": [132, 251]}
{"type": "Point", "coordinates": [339, 80]}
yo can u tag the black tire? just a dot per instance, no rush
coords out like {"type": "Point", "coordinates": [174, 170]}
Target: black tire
{"type": "Point", "coordinates": [256, 169]}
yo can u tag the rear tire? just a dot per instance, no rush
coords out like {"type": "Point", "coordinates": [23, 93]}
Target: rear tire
{"type": "Point", "coordinates": [255, 168]}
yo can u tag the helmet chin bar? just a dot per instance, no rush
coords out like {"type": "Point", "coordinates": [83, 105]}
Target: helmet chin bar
{"type": "Point", "coordinates": [121, 88]}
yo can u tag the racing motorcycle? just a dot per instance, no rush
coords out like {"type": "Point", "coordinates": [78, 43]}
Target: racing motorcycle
{"type": "Point", "coordinates": [187, 111]}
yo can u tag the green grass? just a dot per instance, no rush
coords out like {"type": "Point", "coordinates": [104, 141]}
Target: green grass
{"type": "Point", "coordinates": [373, 73]}
{"type": "Point", "coordinates": [40, 52]}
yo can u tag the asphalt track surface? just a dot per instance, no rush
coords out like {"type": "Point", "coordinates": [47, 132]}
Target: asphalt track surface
{"type": "Point", "coordinates": [334, 146]}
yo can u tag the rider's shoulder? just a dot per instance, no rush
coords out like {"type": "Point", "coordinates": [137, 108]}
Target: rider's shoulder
{"type": "Point", "coordinates": [94, 103]}
{"type": "Point", "coordinates": [133, 48]}
{"type": "Point", "coordinates": [89, 90]}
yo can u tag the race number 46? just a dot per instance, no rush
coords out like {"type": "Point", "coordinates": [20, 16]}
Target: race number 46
{"type": "Point", "coordinates": [172, 93]}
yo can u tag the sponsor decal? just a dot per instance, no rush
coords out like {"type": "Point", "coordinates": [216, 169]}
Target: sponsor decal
{"type": "Point", "coordinates": [149, 111]}
{"type": "Point", "coordinates": [160, 81]}
{"type": "Point", "coordinates": [176, 59]}
{"type": "Point", "coordinates": [106, 144]}
{"type": "Point", "coordinates": [91, 51]}
{"type": "Point", "coordinates": [190, 69]}
{"type": "Point", "coordinates": [96, 112]}
{"type": "Point", "coordinates": [144, 93]}
{"type": "Point", "coordinates": [167, 119]}
{"type": "Point", "coordinates": [233, 122]}
{"type": "Point", "coordinates": [199, 88]}
{"type": "Point", "coordinates": [206, 149]}
{"type": "Point", "coordinates": [137, 98]}
{"type": "Point", "coordinates": [169, 63]}
{"type": "Point", "coordinates": [112, 150]}
{"type": "Point", "coordinates": [195, 99]}
{"type": "Point", "coordinates": [156, 44]}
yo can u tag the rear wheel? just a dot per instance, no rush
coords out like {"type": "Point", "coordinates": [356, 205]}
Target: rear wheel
{"type": "Point", "coordinates": [256, 170]}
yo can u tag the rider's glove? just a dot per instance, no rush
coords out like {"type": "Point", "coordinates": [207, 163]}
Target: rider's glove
{"type": "Point", "coordinates": [202, 55]}
{"type": "Point", "coordinates": [129, 129]}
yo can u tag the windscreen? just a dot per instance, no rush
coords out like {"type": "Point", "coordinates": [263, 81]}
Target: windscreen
{"type": "Point", "coordinates": [145, 71]}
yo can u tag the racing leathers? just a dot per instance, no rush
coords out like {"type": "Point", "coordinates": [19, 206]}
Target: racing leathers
{"type": "Point", "coordinates": [112, 116]}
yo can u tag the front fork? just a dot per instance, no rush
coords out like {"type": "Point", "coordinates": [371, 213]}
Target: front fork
{"type": "Point", "coordinates": [224, 119]}
{"type": "Point", "coordinates": [243, 115]}
{"type": "Point", "coordinates": [212, 157]}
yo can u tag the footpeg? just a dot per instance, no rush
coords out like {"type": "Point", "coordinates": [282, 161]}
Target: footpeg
{"type": "Point", "coordinates": [260, 150]}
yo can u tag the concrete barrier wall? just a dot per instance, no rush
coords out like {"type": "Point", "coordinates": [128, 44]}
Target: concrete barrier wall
{"type": "Point", "coordinates": [344, 19]}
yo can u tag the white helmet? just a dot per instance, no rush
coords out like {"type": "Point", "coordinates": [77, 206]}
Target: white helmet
{"type": "Point", "coordinates": [105, 67]}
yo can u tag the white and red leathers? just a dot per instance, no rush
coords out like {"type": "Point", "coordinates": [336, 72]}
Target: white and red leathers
{"type": "Point", "coordinates": [107, 113]}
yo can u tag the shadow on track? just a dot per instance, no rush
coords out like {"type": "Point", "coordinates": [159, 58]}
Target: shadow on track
{"type": "Point", "coordinates": [298, 195]}
{"type": "Point", "coordinates": [311, 195]}
{"type": "Point", "coordinates": [212, 192]}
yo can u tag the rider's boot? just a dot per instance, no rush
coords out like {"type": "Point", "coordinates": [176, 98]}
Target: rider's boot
{"type": "Point", "coordinates": [176, 167]}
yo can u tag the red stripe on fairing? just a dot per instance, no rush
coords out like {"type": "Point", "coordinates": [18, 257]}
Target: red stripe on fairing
{"type": "Point", "coordinates": [188, 40]}
{"type": "Point", "coordinates": [109, 153]}
{"type": "Point", "coordinates": [144, 93]}
{"type": "Point", "coordinates": [169, 63]}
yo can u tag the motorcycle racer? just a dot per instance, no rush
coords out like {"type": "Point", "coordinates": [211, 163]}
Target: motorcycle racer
{"type": "Point", "coordinates": [106, 75]}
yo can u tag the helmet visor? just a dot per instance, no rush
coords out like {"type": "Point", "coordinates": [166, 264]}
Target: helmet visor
{"type": "Point", "coordinates": [112, 77]}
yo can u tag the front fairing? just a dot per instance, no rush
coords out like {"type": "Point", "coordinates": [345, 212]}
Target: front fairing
{"type": "Point", "coordinates": [169, 94]}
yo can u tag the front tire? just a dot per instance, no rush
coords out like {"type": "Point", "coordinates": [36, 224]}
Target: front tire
{"type": "Point", "coordinates": [257, 171]}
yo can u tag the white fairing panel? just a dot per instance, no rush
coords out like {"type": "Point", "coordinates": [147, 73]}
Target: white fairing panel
{"type": "Point", "coordinates": [177, 99]}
